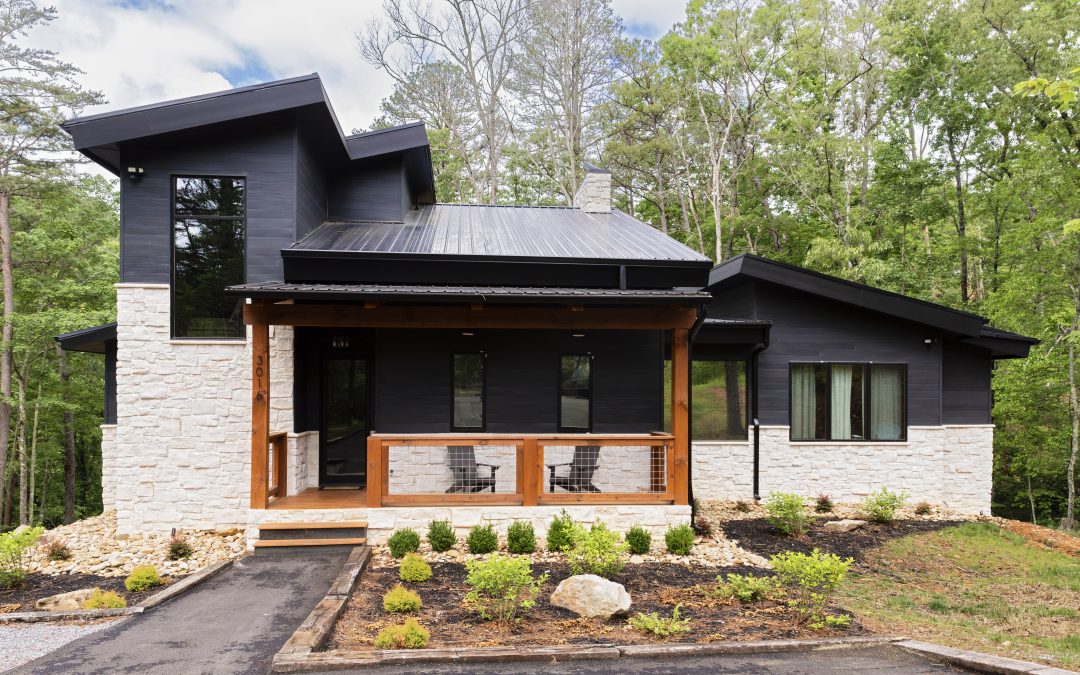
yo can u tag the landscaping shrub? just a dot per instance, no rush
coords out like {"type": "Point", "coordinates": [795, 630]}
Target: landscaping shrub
{"type": "Point", "coordinates": [13, 548]}
{"type": "Point", "coordinates": [824, 504]}
{"type": "Point", "coordinates": [179, 548]}
{"type": "Point", "coordinates": [639, 540]}
{"type": "Point", "coordinates": [702, 526]}
{"type": "Point", "coordinates": [597, 551]}
{"type": "Point", "coordinates": [679, 539]}
{"type": "Point", "coordinates": [520, 538]}
{"type": "Point", "coordinates": [661, 626]}
{"type": "Point", "coordinates": [400, 600]}
{"type": "Point", "coordinates": [56, 550]}
{"type": "Point", "coordinates": [742, 506]}
{"type": "Point", "coordinates": [142, 578]}
{"type": "Point", "coordinates": [923, 509]}
{"type": "Point", "coordinates": [440, 534]}
{"type": "Point", "coordinates": [482, 539]}
{"type": "Point", "coordinates": [403, 541]}
{"type": "Point", "coordinates": [881, 506]}
{"type": "Point", "coordinates": [787, 513]}
{"type": "Point", "coordinates": [414, 569]}
{"type": "Point", "coordinates": [410, 635]}
{"type": "Point", "coordinates": [501, 587]}
{"type": "Point", "coordinates": [100, 599]}
{"type": "Point", "coordinates": [813, 579]}
{"type": "Point", "coordinates": [745, 587]}
{"type": "Point", "coordinates": [560, 532]}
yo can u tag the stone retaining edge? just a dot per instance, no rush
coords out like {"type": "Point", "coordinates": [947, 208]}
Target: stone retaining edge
{"type": "Point", "coordinates": [977, 661]}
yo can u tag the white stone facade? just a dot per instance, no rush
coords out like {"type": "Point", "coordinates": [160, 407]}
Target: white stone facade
{"type": "Point", "coordinates": [948, 465]}
{"type": "Point", "coordinates": [594, 193]}
{"type": "Point", "coordinates": [108, 466]}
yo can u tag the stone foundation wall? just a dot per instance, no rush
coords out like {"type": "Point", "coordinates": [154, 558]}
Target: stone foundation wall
{"type": "Point", "coordinates": [948, 465]}
{"type": "Point", "coordinates": [108, 466]}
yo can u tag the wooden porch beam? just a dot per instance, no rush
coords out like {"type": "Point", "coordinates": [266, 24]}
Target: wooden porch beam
{"type": "Point", "coordinates": [680, 412]}
{"type": "Point", "coordinates": [260, 414]}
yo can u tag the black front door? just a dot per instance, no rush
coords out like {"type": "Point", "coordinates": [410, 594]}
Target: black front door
{"type": "Point", "coordinates": [345, 420]}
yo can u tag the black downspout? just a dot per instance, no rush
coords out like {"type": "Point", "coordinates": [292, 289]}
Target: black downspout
{"type": "Point", "coordinates": [754, 412]}
{"type": "Point", "coordinates": [694, 330]}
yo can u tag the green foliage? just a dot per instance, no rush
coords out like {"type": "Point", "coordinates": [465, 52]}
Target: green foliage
{"type": "Point", "coordinates": [142, 578]}
{"type": "Point", "coordinates": [596, 550]}
{"type": "Point", "coordinates": [414, 569]}
{"type": "Point", "coordinates": [679, 539]}
{"type": "Point", "coordinates": [823, 504]}
{"type": "Point", "coordinates": [179, 548]}
{"type": "Point", "coordinates": [13, 548]}
{"type": "Point", "coordinates": [501, 587]}
{"type": "Point", "coordinates": [403, 541]}
{"type": "Point", "coordinates": [812, 580]}
{"type": "Point", "coordinates": [882, 506]}
{"type": "Point", "coordinates": [400, 600]}
{"type": "Point", "coordinates": [100, 599]}
{"type": "Point", "coordinates": [560, 532]}
{"type": "Point", "coordinates": [787, 513]}
{"type": "Point", "coordinates": [409, 635]}
{"type": "Point", "coordinates": [520, 537]}
{"type": "Point", "coordinates": [440, 535]}
{"type": "Point", "coordinates": [745, 587]}
{"type": "Point", "coordinates": [661, 626]}
{"type": "Point", "coordinates": [638, 540]}
{"type": "Point", "coordinates": [482, 539]}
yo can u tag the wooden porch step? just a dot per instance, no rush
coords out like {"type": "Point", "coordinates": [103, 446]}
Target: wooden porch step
{"type": "Point", "coordinates": [332, 525]}
{"type": "Point", "coordinates": [277, 543]}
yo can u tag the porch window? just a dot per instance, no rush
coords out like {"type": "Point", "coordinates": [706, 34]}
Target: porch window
{"type": "Point", "coordinates": [718, 398]}
{"type": "Point", "coordinates": [208, 255]}
{"type": "Point", "coordinates": [848, 402]}
{"type": "Point", "coordinates": [575, 393]}
{"type": "Point", "coordinates": [468, 387]}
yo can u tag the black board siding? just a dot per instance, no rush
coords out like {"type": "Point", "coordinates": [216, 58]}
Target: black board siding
{"type": "Point", "coordinates": [110, 382]}
{"type": "Point", "coordinates": [310, 186]}
{"type": "Point", "coordinates": [369, 190]}
{"type": "Point", "coordinates": [965, 384]}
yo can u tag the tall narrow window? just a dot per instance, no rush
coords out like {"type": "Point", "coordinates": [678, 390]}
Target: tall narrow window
{"type": "Point", "coordinates": [848, 402]}
{"type": "Point", "coordinates": [718, 397]}
{"type": "Point", "coordinates": [887, 421]}
{"type": "Point", "coordinates": [468, 386]}
{"type": "Point", "coordinates": [575, 394]}
{"type": "Point", "coordinates": [208, 255]}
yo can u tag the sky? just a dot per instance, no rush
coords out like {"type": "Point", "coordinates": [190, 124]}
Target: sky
{"type": "Point", "coordinates": [145, 51]}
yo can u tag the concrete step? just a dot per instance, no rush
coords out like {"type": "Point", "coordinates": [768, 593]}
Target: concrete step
{"type": "Point", "coordinates": [287, 543]}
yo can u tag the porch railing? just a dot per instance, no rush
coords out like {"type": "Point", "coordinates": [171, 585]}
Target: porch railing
{"type": "Point", "coordinates": [276, 465]}
{"type": "Point", "coordinates": [510, 469]}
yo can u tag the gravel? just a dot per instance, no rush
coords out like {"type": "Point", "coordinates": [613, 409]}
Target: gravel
{"type": "Point", "coordinates": [22, 643]}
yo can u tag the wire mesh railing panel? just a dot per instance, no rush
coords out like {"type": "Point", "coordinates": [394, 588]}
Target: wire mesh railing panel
{"type": "Point", "coordinates": [623, 469]}
{"type": "Point", "coordinates": [451, 469]}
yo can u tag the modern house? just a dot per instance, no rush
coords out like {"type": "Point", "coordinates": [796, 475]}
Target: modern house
{"type": "Point", "coordinates": [305, 336]}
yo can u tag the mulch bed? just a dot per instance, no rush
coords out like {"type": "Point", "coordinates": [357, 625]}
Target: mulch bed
{"type": "Point", "coordinates": [758, 536]}
{"type": "Point", "coordinates": [654, 587]}
{"type": "Point", "coordinates": [38, 586]}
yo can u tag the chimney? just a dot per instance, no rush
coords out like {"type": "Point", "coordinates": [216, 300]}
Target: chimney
{"type": "Point", "coordinates": [594, 195]}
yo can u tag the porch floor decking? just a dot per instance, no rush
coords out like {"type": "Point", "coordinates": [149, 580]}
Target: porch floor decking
{"type": "Point", "coordinates": [328, 498]}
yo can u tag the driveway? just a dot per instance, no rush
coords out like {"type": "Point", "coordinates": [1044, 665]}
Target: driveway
{"type": "Point", "coordinates": [233, 623]}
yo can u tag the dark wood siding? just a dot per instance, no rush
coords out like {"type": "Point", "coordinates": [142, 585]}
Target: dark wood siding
{"type": "Point", "coordinates": [965, 384]}
{"type": "Point", "coordinates": [110, 382]}
{"type": "Point", "coordinates": [310, 187]}
{"type": "Point", "coordinates": [371, 190]}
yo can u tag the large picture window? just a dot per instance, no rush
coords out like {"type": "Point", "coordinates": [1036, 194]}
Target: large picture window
{"type": "Point", "coordinates": [468, 386]}
{"type": "Point", "coordinates": [848, 402]}
{"type": "Point", "coordinates": [208, 255]}
{"type": "Point", "coordinates": [717, 399]}
{"type": "Point", "coordinates": [575, 394]}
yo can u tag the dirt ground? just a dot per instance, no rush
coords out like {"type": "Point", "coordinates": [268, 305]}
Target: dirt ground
{"type": "Point", "coordinates": [1044, 537]}
{"type": "Point", "coordinates": [37, 586]}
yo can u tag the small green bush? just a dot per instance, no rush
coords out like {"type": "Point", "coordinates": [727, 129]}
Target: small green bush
{"type": "Point", "coordinates": [410, 635]}
{"type": "Point", "coordinates": [745, 587]}
{"type": "Point", "coordinates": [679, 539]}
{"type": "Point", "coordinates": [179, 548]}
{"type": "Point", "coordinates": [923, 509]}
{"type": "Point", "coordinates": [812, 580]}
{"type": "Point", "coordinates": [57, 550]}
{"type": "Point", "coordinates": [560, 532]}
{"type": "Point", "coordinates": [400, 600]}
{"type": "Point", "coordinates": [482, 539]}
{"type": "Point", "coordinates": [414, 569]}
{"type": "Point", "coordinates": [787, 513]}
{"type": "Point", "coordinates": [142, 578]}
{"type": "Point", "coordinates": [823, 504]}
{"type": "Point", "coordinates": [440, 534]}
{"type": "Point", "coordinates": [501, 587]}
{"type": "Point", "coordinates": [639, 540]}
{"type": "Point", "coordinates": [521, 538]}
{"type": "Point", "coordinates": [597, 551]}
{"type": "Point", "coordinates": [661, 626]}
{"type": "Point", "coordinates": [403, 541]}
{"type": "Point", "coordinates": [13, 548]}
{"type": "Point", "coordinates": [100, 599]}
{"type": "Point", "coordinates": [881, 506]}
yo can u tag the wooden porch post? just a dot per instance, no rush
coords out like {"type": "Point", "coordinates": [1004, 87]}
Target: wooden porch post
{"type": "Point", "coordinates": [260, 411]}
{"type": "Point", "coordinates": [680, 411]}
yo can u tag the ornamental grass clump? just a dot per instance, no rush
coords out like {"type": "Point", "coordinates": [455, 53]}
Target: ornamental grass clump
{"type": "Point", "coordinates": [403, 541]}
{"type": "Point", "coordinates": [661, 626]}
{"type": "Point", "coordinates": [142, 578]}
{"type": "Point", "coordinates": [679, 539]}
{"type": "Point", "coordinates": [812, 580]}
{"type": "Point", "coordinates": [409, 635]}
{"type": "Point", "coordinates": [100, 599]}
{"type": "Point", "coordinates": [745, 588]}
{"type": "Point", "coordinates": [414, 569]}
{"type": "Point", "coordinates": [56, 550]}
{"type": "Point", "coordinates": [521, 538]}
{"type": "Point", "coordinates": [482, 539]}
{"type": "Point", "coordinates": [882, 506]}
{"type": "Point", "coordinates": [639, 540]}
{"type": "Point", "coordinates": [440, 534]}
{"type": "Point", "coordinates": [823, 504]}
{"type": "Point", "coordinates": [596, 550]}
{"type": "Point", "coordinates": [179, 548]}
{"type": "Point", "coordinates": [560, 532]}
{"type": "Point", "coordinates": [400, 600]}
{"type": "Point", "coordinates": [501, 587]}
{"type": "Point", "coordinates": [787, 513]}
{"type": "Point", "coordinates": [13, 548]}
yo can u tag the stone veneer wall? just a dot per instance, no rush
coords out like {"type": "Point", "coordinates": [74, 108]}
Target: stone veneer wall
{"type": "Point", "coordinates": [108, 466]}
{"type": "Point", "coordinates": [946, 465]}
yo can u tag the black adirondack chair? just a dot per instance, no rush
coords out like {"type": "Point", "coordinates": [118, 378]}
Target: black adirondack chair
{"type": "Point", "coordinates": [462, 461]}
{"type": "Point", "coordinates": [582, 467]}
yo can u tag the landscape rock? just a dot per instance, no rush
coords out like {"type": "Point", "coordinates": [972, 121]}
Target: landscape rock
{"type": "Point", "coordinates": [65, 602]}
{"type": "Point", "coordinates": [845, 525]}
{"type": "Point", "coordinates": [591, 596]}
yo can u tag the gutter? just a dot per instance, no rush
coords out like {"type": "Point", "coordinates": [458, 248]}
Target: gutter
{"type": "Point", "coordinates": [754, 412]}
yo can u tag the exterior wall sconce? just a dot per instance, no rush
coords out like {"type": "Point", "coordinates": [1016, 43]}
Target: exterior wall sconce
{"type": "Point", "coordinates": [467, 334]}
{"type": "Point", "coordinates": [135, 173]}
{"type": "Point", "coordinates": [578, 335]}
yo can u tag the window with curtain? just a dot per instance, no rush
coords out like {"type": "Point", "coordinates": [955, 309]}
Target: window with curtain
{"type": "Point", "coordinates": [848, 402]}
{"type": "Point", "coordinates": [718, 400]}
{"type": "Point", "coordinates": [468, 388]}
{"type": "Point", "coordinates": [575, 393]}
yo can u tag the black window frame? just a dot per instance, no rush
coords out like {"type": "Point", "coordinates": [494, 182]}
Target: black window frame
{"type": "Point", "coordinates": [173, 177]}
{"type": "Point", "coordinates": [867, 406]}
{"type": "Point", "coordinates": [559, 389]}
{"type": "Point", "coordinates": [483, 392]}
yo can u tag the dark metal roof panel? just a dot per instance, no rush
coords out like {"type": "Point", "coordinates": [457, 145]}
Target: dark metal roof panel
{"type": "Point", "coordinates": [88, 339]}
{"type": "Point", "coordinates": [466, 293]}
{"type": "Point", "coordinates": [384, 141]}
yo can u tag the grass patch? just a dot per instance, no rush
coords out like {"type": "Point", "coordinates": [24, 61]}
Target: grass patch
{"type": "Point", "coordinates": [975, 586]}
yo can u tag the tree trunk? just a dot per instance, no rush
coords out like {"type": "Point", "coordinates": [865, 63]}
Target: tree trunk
{"type": "Point", "coordinates": [20, 443]}
{"type": "Point", "coordinates": [5, 338]}
{"type": "Point", "coordinates": [69, 440]}
{"type": "Point", "coordinates": [1069, 522]}
{"type": "Point", "coordinates": [961, 217]}
{"type": "Point", "coordinates": [33, 452]}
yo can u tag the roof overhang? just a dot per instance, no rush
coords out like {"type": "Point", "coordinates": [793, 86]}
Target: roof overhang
{"type": "Point", "coordinates": [94, 340]}
{"type": "Point", "coordinates": [1002, 344]}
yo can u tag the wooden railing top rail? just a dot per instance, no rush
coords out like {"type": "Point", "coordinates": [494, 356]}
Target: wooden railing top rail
{"type": "Point", "coordinates": [459, 436]}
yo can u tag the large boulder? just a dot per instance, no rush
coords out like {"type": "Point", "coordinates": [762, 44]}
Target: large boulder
{"type": "Point", "coordinates": [65, 602]}
{"type": "Point", "coordinates": [846, 525]}
{"type": "Point", "coordinates": [591, 596]}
